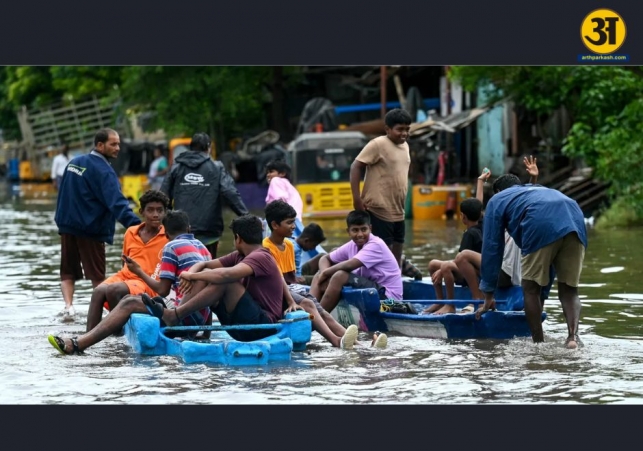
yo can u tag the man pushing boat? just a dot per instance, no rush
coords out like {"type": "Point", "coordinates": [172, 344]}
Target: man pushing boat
{"type": "Point", "coordinates": [549, 227]}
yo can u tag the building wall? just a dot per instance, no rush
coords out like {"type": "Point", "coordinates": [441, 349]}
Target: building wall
{"type": "Point", "coordinates": [491, 132]}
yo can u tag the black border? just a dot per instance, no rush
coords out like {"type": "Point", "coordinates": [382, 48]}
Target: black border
{"type": "Point", "coordinates": [324, 428]}
{"type": "Point", "coordinates": [296, 33]}
{"type": "Point", "coordinates": [493, 32]}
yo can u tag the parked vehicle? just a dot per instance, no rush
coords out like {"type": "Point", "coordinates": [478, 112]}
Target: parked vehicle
{"type": "Point", "coordinates": [321, 171]}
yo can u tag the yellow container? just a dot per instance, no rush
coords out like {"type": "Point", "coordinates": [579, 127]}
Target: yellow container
{"type": "Point", "coordinates": [326, 200]}
{"type": "Point", "coordinates": [430, 201]}
{"type": "Point", "coordinates": [26, 172]}
{"type": "Point", "coordinates": [133, 186]}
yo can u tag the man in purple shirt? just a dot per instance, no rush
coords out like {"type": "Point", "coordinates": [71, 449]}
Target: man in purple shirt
{"type": "Point", "coordinates": [364, 262]}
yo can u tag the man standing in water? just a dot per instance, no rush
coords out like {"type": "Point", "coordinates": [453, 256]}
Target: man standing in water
{"type": "Point", "coordinates": [89, 203]}
{"type": "Point", "coordinates": [387, 161]}
{"type": "Point", "coordinates": [58, 166]}
{"type": "Point", "coordinates": [549, 227]}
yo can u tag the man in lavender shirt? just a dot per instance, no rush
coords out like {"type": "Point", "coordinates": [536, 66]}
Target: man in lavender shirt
{"type": "Point", "coordinates": [364, 262]}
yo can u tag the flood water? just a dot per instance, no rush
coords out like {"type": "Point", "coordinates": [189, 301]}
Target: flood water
{"type": "Point", "coordinates": [607, 369]}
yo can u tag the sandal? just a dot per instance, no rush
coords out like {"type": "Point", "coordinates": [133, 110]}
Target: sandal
{"type": "Point", "coordinates": [59, 344]}
{"type": "Point", "coordinates": [154, 306]}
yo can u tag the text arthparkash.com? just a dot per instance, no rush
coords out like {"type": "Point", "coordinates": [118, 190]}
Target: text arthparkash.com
{"type": "Point", "coordinates": [603, 57]}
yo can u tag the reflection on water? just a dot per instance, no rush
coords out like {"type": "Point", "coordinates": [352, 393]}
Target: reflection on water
{"type": "Point", "coordinates": [607, 369]}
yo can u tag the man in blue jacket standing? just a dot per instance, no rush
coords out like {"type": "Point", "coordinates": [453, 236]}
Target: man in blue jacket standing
{"type": "Point", "coordinates": [549, 227]}
{"type": "Point", "coordinates": [89, 203]}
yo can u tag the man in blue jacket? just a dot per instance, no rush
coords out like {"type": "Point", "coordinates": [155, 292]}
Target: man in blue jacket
{"type": "Point", "coordinates": [89, 203]}
{"type": "Point", "coordinates": [549, 227]}
{"type": "Point", "coordinates": [197, 185]}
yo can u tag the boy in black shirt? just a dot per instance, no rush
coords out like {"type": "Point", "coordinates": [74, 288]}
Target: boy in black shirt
{"type": "Point", "coordinates": [447, 271]}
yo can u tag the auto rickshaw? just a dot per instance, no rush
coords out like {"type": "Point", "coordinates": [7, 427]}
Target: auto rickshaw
{"type": "Point", "coordinates": [321, 171]}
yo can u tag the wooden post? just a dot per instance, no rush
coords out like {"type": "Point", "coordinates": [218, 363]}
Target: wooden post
{"type": "Point", "coordinates": [383, 90]}
{"type": "Point", "coordinates": [449, 136]}
{"type": "Point", "coordinates": [400, 91]}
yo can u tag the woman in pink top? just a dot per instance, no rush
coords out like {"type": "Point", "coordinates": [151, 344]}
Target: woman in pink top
{"type": "Point", "coordinates": [279, 187]}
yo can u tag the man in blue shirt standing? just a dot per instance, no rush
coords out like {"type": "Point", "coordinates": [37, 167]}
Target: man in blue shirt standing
{"type": "Point", "coordinates": [89, 203]}
{"type": "Point", "coordinates": [549, 227]}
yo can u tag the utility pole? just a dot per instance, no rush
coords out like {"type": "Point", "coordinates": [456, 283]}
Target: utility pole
{"type": "Point", "coordinates": [383, 90]}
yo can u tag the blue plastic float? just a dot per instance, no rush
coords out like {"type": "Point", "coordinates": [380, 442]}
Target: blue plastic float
{"type": "Point", "coordinates": [146, 336]}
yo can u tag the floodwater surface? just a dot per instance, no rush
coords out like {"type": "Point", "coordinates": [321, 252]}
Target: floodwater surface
{"type": "Point", "coordinates": [607, 369]}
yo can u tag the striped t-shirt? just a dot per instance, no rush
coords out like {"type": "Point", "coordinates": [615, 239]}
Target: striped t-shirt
{"type": "Point", "coordinates": [180, 255]}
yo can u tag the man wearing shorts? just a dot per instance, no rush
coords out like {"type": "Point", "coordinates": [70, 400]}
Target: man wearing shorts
{"type": "Point", "coordinates": [364, 262]}
{"type": "Point", "coordinates": [549, 227]}
{"type": "Point", "coordinates": [387, 161]}
{"type": "Point", "coordinates": [89, 203]}
{"type": "Point", "coordinates": [243, 287]}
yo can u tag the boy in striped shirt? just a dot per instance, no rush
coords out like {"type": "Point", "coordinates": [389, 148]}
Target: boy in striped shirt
{"type": "Point", "coordinates": [179, 255]}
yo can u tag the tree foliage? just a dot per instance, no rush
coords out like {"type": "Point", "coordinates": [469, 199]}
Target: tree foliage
{"type": "Point", "coordinates": [218, 99]}
{"type": "Point", "coordinates": [605, 104]}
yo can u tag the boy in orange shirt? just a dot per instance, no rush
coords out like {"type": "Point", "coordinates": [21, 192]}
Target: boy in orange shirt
{"type": "Point", "coordinates": [143, 243]}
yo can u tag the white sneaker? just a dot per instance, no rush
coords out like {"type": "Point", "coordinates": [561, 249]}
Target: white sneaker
{"type": "Point", "coordinates": [349, 338]}
{"type": "Point", "coordinates": [380, 341]}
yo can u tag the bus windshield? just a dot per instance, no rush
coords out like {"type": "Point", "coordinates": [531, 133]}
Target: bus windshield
{"type": "Point", "coordinates": [324, 165]}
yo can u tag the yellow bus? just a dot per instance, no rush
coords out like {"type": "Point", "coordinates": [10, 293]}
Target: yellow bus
{"type": "Point", "coordinates": [321, 165]}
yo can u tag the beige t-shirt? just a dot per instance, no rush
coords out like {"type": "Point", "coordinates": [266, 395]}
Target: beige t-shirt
{"type": "Point", "coordinates": [386, 179]}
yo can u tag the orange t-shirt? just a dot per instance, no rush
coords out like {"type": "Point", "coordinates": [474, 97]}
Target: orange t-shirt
{"type": "Point", "coordinates": [285, 259]}
{"type": "Point", "coordinates": [147, 255]}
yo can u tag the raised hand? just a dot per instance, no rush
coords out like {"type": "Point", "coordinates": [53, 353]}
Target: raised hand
{"type": "Point", "coordinates": [486, 173]}
{"type": "Point", "coordinates": [530, 164]}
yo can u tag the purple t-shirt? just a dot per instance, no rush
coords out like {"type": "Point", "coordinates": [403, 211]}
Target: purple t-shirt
{"type": "Point", "coordinates": [379, 264]}
{"type": "Point", "coordinates": [266, 286]}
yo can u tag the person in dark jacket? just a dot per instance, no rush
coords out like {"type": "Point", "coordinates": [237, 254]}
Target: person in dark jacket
{"type": "Point", "coordinates": [89, 203]}
{"type": "Point", "coordinates": [196, 184]}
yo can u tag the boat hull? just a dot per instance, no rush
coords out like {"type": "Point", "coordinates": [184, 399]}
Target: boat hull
{"type": "Point", "coordinates": [362, 307]}
{"type": "Point", "coordinates": [492, 325]}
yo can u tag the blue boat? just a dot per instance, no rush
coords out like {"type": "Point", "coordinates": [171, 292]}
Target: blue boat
{"type": "Point", "coordinates": [364, 308]}
{"type": "Point", "coordinates": [146, 336]}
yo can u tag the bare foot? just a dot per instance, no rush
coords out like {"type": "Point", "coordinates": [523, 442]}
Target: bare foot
{"type": "Point", "coordinates": [446, 309]}
{"type": "Point", "coordinates": [572, 342]}
{"type": "Point", "coordinates": [69, 347]}
{"type": "Point", "coordinates": [432, 308]}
